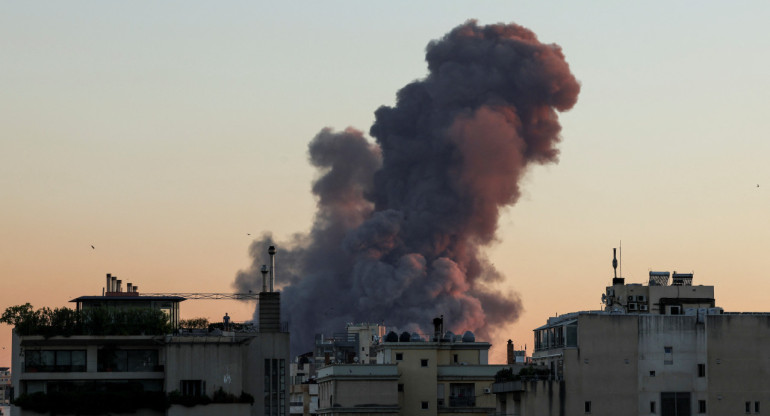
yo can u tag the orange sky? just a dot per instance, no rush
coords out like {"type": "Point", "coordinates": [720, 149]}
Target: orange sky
{"type": "Point", "coordinates": [164, 135]}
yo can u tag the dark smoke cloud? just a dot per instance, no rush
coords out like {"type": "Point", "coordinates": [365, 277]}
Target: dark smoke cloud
{"type": "Point", "coordinates": [401, 224]}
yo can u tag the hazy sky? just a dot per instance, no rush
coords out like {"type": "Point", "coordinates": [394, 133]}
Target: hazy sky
{"type": "Point", "coordinates": [164, 133]}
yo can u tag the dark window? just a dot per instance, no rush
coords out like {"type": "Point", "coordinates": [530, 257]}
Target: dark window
{"type": "Point", "coordinates": [455, 358]}
{"type": "Point", "coordinates": [701, 370]}
{"type": "Point", "coordinates": [674, 403]}
{"type": "Point", "coordinates": [191, 387]}
{"type": "Point", "coordinates": [55, 361]}
{"type": "Point", "coordinates": [400, 387]}
{"type": "Point", "coordinates": [588, 407]}
{"type": "Point", "coordinates": [756, 407]}
{"type": "Point", "coordinates": [462, 395]}
{"type": "Point", "coordinates": [652, 373]}
{"type": "Point", "coordinates": [701, 406]}
{"type": "Point", "coordinates": [668, 355]}
{"type": "Point", "coordinates": [748, 407]}
{"type": "Point", "coordinates": [652, 407]}
{"type": "Point", "coordinates": [424, 405]}
{"type": "Point", "coordinates": [109, 359]}
{"type": "Point", "coordinates": [423, 362]}
{"type": "Point", "coordinates": [399, 356]}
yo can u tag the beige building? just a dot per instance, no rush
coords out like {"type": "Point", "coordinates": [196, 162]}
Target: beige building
{"type": "Point", "coordinates": [656, 349]}
{"type": "Point", "coordinates": [444, 375]}
{"type": "Point", "coordinates": [239, 370]}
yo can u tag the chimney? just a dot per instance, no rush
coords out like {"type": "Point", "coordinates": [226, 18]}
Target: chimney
{"type": "Point", "coordinates": [113, 283]}
{"type": "Point", "coordinates": [109, 282]}
{"type": "Point", "coordinates": [136, 289]}
{"type": "Point", "coordinates": [271, 252]}
{"type": "Point", "coordinates": [264, 277]}
{"type": "Point", "coordinates": [120, 286]}
{"type": "Point", "coordinates": [129, 289]}
{"type": "Point", "coordinates": [511, 358]}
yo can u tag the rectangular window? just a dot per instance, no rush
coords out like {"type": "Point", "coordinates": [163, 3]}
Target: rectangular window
{"type": "Point", "coordinates": [191, 387]}
{"type": "Point", "coordinates": [701, 370]}
{"type": "Point", "coordinates": [110, 359]}
{"type": "Point", "coordinates": [668, 355]}
{"type": "Point", "coordinates": [462, 395]}
{"type": "Point", "coordinates": [748, 407]}
{"type": "Point", "coordinates": [399, 356]}
{"type": "Point", "coordinates": [701, 406]}
{"type": "Point", "coordinates": [756, 407]}
{"type": "Point", "coordinates": [423, 362]}
{"type": "Point", "coordinates": [652, 407]}
{"type": "Point", "coordinates": [675, 403]}
{"type": "Point", "coordinates": [400, 387]}
{"type": "Point", "coordinates": [55, 361]}
{"type": "Point", "coordinates": [424, 405]}
{"type": "Point", "coordinates": [455, 358]}
{"type": "Point", "coordinates": [587, 407]}
{"type": "Point", "coordinates": [652, 373]}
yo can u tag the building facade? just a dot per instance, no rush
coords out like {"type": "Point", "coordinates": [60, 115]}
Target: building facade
{"type": "Point", "coordinates": [240, 371]}
{"type": "Point", "coordinates": [657, 349]}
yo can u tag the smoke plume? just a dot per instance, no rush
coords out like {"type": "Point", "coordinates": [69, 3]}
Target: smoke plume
{"type": "Point", "coordinates": [401, 225]}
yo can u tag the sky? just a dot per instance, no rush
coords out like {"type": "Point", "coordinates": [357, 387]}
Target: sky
{"type": "Point", "coordinates": [170, 135]}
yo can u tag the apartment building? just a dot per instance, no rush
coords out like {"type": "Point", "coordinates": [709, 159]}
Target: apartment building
{"type": "Point", "coordinates": [661, 349]}
{"type": "Point", "coordinates": [121, 364]}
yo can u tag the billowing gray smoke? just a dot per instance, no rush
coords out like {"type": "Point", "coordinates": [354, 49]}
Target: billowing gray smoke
{"type": "Point", "coordinates": [400, 225]}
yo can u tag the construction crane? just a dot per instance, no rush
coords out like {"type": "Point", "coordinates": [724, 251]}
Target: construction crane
{"type": "Point", "coordinates": [210, 296]}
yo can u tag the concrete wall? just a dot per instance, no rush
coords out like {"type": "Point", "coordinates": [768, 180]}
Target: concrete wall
{"type": "Point", "coordinates": [219, 364]}
{"type": "Point", "coordinates": [738, 363]}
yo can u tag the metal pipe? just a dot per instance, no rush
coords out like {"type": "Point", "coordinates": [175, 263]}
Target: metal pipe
{"type": "Point", "coordinates": [264, 277]}
{"type": "Point", "coordinates": [271, 252]}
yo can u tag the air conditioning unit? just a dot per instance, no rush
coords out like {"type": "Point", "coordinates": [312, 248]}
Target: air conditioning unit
{"type": "Point", "coordinates": [641, 298]}
{"type": "Point", "coordinates": [487, 390]}
{"type": "Point", "coordinates": [632, 307]}
{"type": "Point", "coordinates": [643, 308]}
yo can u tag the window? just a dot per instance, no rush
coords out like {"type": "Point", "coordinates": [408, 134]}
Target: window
{"type": "Point", "coordinates": [756, 407]}
{"type": "Point", "coordinates": [652, 373]}
{"type": "Point", "coordinates": [424, 405]}
{"type": "Point", "coordinates": [701, 406]}
{"type": "Point", "coordinates": [191, 387]}
{"type": "Point", "coordinates": [424, 362]}
{"type": "Point", "coordinates": [701, 370]}
{"type": "Point", "coordinates": [668, 355]}
{"type": "Point", "coordinates": [110, 359]}
{"type": "Point", "coordinates": [55, 361]}
{"type": "Point", "coordinates": [748, 407]}
{"type": "Point", "coordinates": [400, 387]}
{"type": "Point", "coordinates": [652, 407]}
{"type": "Point", "coordinates": [399, 356]}
{"type": "Point", "coordinates": [675, 403]}
{"type": "Point", "coordinates": [462, 395]}
{"type": "Point", "coordinates": [588, 407]}
{"type": "Point", "coordinates": [455, 358]}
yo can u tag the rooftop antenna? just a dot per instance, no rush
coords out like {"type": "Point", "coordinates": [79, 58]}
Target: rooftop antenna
{"type": "Point", "coordinates": [615, 262]}
{"type": "Point", "coordinates": [264, 277]}
{"type": "Point", "coordinates": [620, 245]}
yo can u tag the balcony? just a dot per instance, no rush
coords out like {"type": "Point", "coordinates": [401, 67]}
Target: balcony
{"type": "Point", "coordinates": [462, 401]}
{"type": "Point", "coordinates": [508, 387]}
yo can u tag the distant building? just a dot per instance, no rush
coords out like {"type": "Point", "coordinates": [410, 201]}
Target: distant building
{"type": "Point", "coordinates": [5, 385]}
{"type": "Point", "coordinates": [657, 349]}
{"type": "Point", "coordinates": [244, 364]}
{"type": "Point", "coordinates": [446, 374]}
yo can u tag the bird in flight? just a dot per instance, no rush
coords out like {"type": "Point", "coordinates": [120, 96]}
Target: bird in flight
{"type": "Point", "coordinates": [92, 246]}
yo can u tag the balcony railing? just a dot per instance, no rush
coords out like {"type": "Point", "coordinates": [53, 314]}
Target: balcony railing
{"type": "Point", "coordinates": [462, 401]}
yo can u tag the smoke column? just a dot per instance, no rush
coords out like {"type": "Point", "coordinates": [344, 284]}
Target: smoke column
{"type": "Point", "coordinates": [400, 226]}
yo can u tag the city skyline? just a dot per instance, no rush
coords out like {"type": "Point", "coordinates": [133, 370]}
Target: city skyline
{"type": "Point", "coordinates": [156, 142]}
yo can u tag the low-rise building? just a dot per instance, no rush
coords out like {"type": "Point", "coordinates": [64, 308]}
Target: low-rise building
{"type": "Point", "coordinates": [117, 364]}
